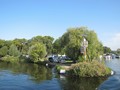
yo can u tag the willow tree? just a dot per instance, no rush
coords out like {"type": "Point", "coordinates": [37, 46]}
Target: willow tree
{"type": "Point", "coordinates": [71, 42]}
{"type": "Point", "coordinates": [95, 47]}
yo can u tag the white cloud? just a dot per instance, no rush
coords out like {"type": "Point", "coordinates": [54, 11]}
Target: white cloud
{"type": "Point", "coordinates": [113, 42]}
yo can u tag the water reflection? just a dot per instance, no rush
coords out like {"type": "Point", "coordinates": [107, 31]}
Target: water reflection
{"type": "Point", "coordinates": [24, 76]}
{"type": "Point", "coordinates": [35, 72]}
{"type": "Point", "coordinates": [81, 83]}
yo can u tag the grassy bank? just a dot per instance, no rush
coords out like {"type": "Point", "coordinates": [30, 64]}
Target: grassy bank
{"type": "Point", "coordinates": [89, 69]}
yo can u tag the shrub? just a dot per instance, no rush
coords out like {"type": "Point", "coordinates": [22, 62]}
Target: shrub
{"type": "Point", "coordinates": [37, 52]}
{"type": "Point", "coordinates": [11, 59]}
{"type": "Point", "coordinates": [3, 51]}
{"type": "Point", "coordinates": [13, 51]}
{"type": "Point", "coordinates": [89, 69]}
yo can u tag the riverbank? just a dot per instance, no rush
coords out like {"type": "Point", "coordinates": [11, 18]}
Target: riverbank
{"type": "Point", "coordinates": [81, 69]}
{"type": "Point", "coordinates": [85, 69]}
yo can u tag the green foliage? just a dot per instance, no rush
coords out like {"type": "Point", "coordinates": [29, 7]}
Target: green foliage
{"type": "Point", "coordinates": [18, 47]}
{"type": "Point", "coordinates": [58, 68]}
{"type": "Point", "coordinates": [13, 51]}
{"type": "Point", "coordinates": [25, 48]}
{"type": "Point", "coordinates": [46, 40]}
{"type": "Point", "coordinates": [3, 51]}
{"type": "Point", "coordinates": [81, 58]}
{"type": "Point", "coordinates": [106, 49]}
{"type": "Point", "coordinates": [69, 44]}
{"type": "Point", "coordinates": [19, 43]}
{"type": "Point", "coordinates": [71, 41]}
{"type": "Point", "coordinates": [2, 42]}
{"type": "Point", "coordinates": [36, 39]}
{"type": "Point", "coordinates": [118, 51]}
{"type": "Point", "coordinates": [94, 46]}
{"type": "Point", "coordinates": [8, 43]}
{"type": "Point", "coordinates": [89, 69]}
{"type": "Point", "coordinates": [9, 58]}
{"type": "Point", "coordinates": [37, 52]}
{"type": "Point", "coordinates": [57, 47]}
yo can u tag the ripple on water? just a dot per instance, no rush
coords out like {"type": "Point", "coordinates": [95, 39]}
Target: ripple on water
{"type": "Point", "coordinates": [15, 88]}
{"type": "Point", "coordinates": [113, 82]}
{"type": "Point", "coordinates": [9, 81]}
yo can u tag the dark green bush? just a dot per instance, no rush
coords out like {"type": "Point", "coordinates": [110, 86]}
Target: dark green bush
{"type": "Point", "coordinates": [89, 69]}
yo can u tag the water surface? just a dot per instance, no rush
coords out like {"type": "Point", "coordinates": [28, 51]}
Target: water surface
{"type": "Point", "coordinates": [113, 82]}
{"type": "Point", "coordinates": [22, 76]}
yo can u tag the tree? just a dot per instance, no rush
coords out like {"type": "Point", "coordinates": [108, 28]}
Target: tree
{"type": "Point", "coordinates": [3, 51]}
{"type": "Point", "coordinates": [118, 51]}
{"type": "Point", "coordinates": [73, 39]}
{"type": "Point", "coordinates": [57, 47]}
{"type": "Point", "coordinates": [46, 40]}
{"type": "Point", "coordinates": [36, 39]}
{"type": "Point", "coordinates": [2, 42]}
{"type": "Point", "coordinates": [13, 51]}
{"type": "Point", "coordinates": [8, 43]}
{"type": "Point", "coordinates": [106, 49]}
{"type": "Point", "coordinates": [94, 47]}
{"type": "Point", "coordinates": [70, 43]}
{"type": "Point", "coordinates": [19, 43]}
{"type": "Point", "coordinates": [37, 52]}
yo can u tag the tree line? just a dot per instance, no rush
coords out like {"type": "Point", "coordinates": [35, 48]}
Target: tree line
{"type": "Point", "coordinates": [39, 47]}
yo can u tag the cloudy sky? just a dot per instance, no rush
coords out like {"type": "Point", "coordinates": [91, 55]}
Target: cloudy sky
{"type": "Point", "coordinates": [28, 18]}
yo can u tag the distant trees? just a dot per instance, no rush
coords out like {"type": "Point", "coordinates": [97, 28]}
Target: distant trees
{"type": "Point", "coordinates": [106, 49]}
{"type": "Point", "coordinates": [57, 46]}
{"type": "Point", "coordinates": [2, 42]}
{"type": "Point", "coordinates": [46, 40]}
{"type": "Point", "coordinates": [37, 52]}
{"type": "Point", "coordinates": [20, 44]}
{"type": "Point", "coordinates": [13, 51]}
{"type": "Point", "coordinates": [3, 51]}
{"type": "Point", "coordinates": [37, 47]}
{"type": "Point", "coordinates": [9, 52]}
{"type": "Point", "coordinates": [118, 51]}
{"type": "Point", "coordinates": [69, 43]}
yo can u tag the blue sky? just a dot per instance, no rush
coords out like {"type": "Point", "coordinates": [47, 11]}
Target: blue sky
{"type": "Point", "coordinates": [28, 18]}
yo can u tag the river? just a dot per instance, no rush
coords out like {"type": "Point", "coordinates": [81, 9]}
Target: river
{"type": "Point", "coordinates": [24, 76]}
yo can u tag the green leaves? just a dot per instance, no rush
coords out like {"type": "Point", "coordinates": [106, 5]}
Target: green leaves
{"type": "Point", "coordinates": [71, 42]}
{"type": "Point", "coordinates": [107, 50]}
{"type": "Point", "coordinates": [46, 40]}
{"type": "Point", "coordinates": [89, 69]}
{"type": "Point", "coordinates": [13, 51]}
{"type": "Point", "coordinates": [37, 52]}
{"type": "Point", "coordinates": [3, 51]}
